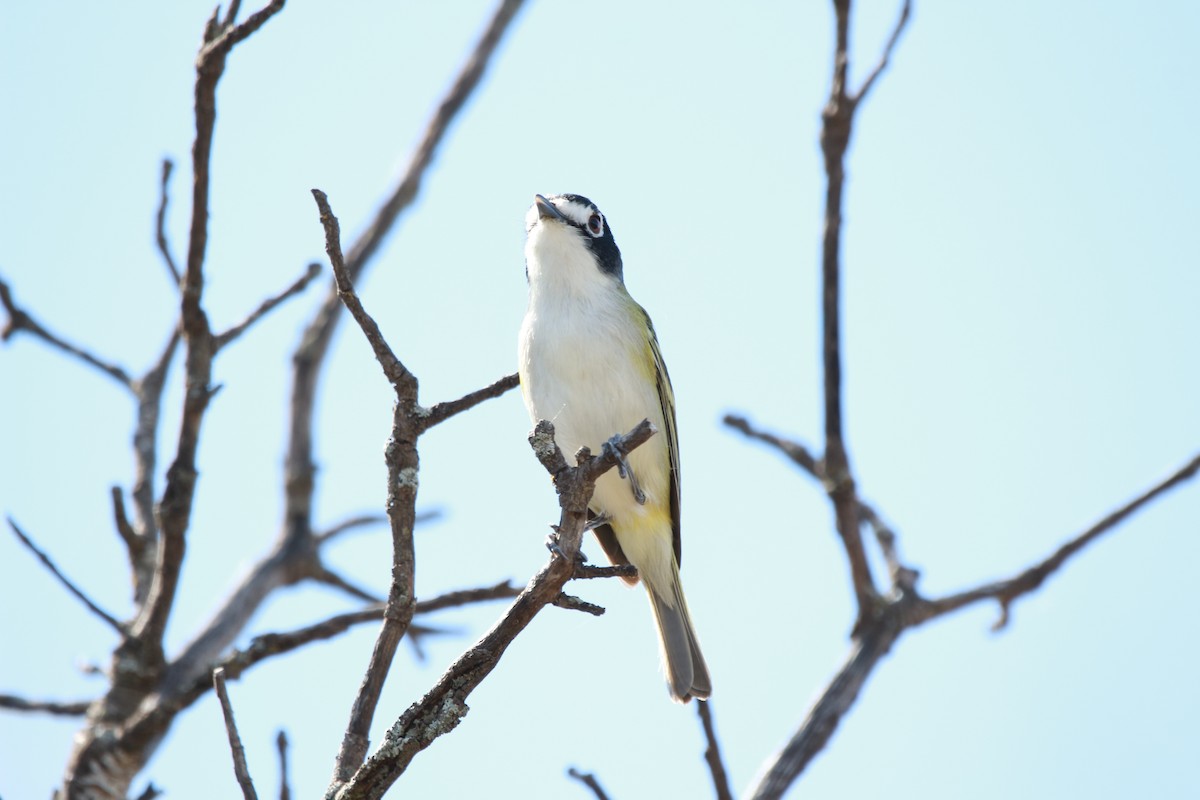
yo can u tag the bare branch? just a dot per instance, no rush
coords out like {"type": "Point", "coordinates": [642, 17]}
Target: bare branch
{"type": "Point", "coordinates": [57, 708]}
{"type": "Point", "coordinates": [861, 94]}
{"type": "Point", "coordinates": [909, 610]}
{"type": "Point", "coordinates": [175, 508]}
{"type": "Point", "coordinates": [837, 119]}
{"type": "Point", "coordinates": [797, 452]}
{"type": "Point", "coordinates": [269, 645]}
{"type": "Point", "coordinates": [903, 577]}
{"type": "Point", "coordinates": [589, 780]}
{"type": "Point", "coordinates": [240, 769]}
{"type": "Point", "coordinates": [406, 191]}
{"type": "Point", "coordinates": [106, 750]}
{"type": "Point", "coordinates": [300, 284]}
{"type": "Point", "coordinates": [133, 543]}
{"type": "Point", "coordinates": [712, 752]}
{"type": "Point", "coordinates": [330, 578]}
{"type": "Point", "coordinates": [402, 464]}
{"type": "Point", "coordinates": [220, 39]}
{"type": "Point", "coordinates": [397, 374]}
{"type": "Point", "coordinates": [440, 412]}
{"type": "Point", "coordinates": [20, 320]}
{"type": "Point", "coordinates": [589, 571]}
{"type": "Point", "coordinates": [65, 581]}
{"type": "Point", "coordinates": [149, 392]}
{"type": "Point", "coordinates": [823, 718]}
{"type": "Point", "coordinates": [1005, 592]}
{"type": "Point", "coordinates": [149, 793]}
{"type": "Point", "coordinates": [160, 223]}
{"type": "Point", "coordinates": [281, 745]}
{"type": "Point", "coordinates": [573, 603]}
{"type": "Point", "coordinates": [231, 15]}
{"type": "Point", "coordinates": [361, 521]}
{"type": "Point", "coordinates": [463, 597]}
{"type": "Point", "coordinates": [441, 709]}
{"type": "Point", "coordinates": [310, 354]}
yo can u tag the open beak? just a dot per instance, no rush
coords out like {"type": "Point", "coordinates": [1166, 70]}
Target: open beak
{"type": "Point", "coordinates": [546, 209]}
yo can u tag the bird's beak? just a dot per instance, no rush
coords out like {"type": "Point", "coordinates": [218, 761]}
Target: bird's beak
{"type": "Point", "coordinates": [546, 209]}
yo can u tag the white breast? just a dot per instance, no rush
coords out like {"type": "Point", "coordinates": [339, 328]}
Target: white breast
{"type": "Point", "coordinates": [586, 365]}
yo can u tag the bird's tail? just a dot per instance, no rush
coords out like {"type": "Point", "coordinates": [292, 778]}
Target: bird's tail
{"type": "Point", "coordinates": [687, 674]}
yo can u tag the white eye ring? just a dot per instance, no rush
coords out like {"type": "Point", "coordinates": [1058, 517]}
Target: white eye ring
{"type": "Point", "coordinates": [595, 225]}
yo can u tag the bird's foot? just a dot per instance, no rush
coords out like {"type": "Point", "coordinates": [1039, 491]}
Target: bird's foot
{"type": "Point", "coordinates": [612, 447]}
{"type": "Point", "coordinates": [596, 522]}
{"type": "Point", "coordinates": [552, 544]}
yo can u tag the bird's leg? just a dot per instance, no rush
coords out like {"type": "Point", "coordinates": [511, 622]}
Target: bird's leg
{"type": "Point", "coordinates": [612, 447]}
{"type": "Point", "coordinates": [595, 521]}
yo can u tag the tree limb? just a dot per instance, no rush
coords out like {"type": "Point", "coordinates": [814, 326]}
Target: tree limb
{"type": "Point", "coordinates": [444, 706]}
{"type": "Point", "coordinates": [402, 466]}
{"type": "Point", "coordinates": [907, 610]}
{"type": "Point", "coordinates": [1005, 592]}
{"type": "Point", "coordinates": [122, 734]}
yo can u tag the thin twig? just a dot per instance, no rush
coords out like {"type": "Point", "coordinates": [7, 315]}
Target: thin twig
{"type": "Point", "coordinates": [903, 577]}
{"type": "Point", "coordinates": [364, 520]}
{"type": "Point", "coordinates": [361, 521]}
{"type": "Point", "coordinates": [150, 792]}
{"type": "Point", "coordinates": [572, 603]}
{"type": "Point", "coordinates": [712, 752]}
{"type": "Point", "coordinates": [231, 15]}
{"type": "Point", "coordinates": [264, 308]}
{"type": "Point", "coordinates": [281, 745]}
{"type": "Point", "coordinates": [589, 780]}
{"type": "Point", "coordinates": [884, 57]}
{"type": "Point", "coordinates": [65, 581]}
{"type": "Point", "coordinates": [463, 597]}
{"type": "Point", "coordinates": [240, 768]}
{"type": "Point", "coordinates": [397, 374]}
{"type": "Point", "coordinates": [589, 571]}
{"type": "Point", "coordinates": [55, 707]}
{"type": "Point", "coordinates": [330, 578]}
{"type": "Point", "coordinates": [20, 320]}
{"type": "Point", "coordinates": [440, 412]}
{"type": "Point", "coordinates": [160, 223]}
{"type": "Point", "coordinates": [1005, 592]}
{"type": "Point", "coordinates": [133, 542]}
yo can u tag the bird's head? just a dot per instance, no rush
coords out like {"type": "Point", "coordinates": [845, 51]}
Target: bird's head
{"type": "Point", "coordinates": [568, 239]}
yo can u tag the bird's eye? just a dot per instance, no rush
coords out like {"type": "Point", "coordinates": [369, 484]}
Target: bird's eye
{"type": "Point", "coordinates": [595, 224]}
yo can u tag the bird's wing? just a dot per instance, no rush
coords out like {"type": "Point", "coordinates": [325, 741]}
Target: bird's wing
{"type": "Point", "coordinates": [666, 399]}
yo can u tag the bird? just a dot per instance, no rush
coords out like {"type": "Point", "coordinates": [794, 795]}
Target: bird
{"type": "Point", "coordinates": [589, 362]}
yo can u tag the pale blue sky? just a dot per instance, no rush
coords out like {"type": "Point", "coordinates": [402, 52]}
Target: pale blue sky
{"type": "Point", "coordinates": [1021, 295]}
